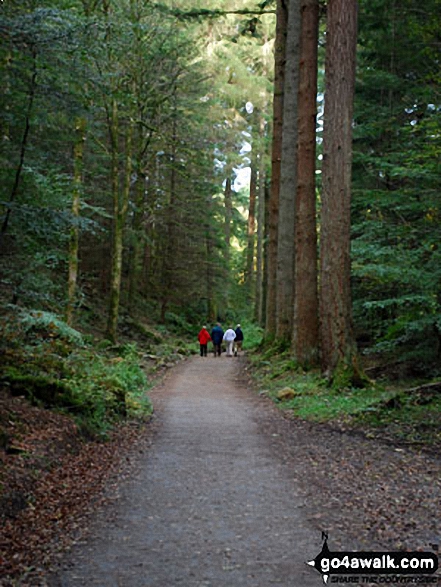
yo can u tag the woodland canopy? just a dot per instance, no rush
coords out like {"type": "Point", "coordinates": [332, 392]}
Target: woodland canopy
{"type": "Point", "coordinates": [125, 124]}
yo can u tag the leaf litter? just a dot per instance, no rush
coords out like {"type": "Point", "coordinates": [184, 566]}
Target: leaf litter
{"type": "Point", "coordinates": [364, 493]}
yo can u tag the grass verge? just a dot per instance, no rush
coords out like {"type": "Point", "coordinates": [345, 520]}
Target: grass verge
{"type": "Point", "coordinates": [407, 413]}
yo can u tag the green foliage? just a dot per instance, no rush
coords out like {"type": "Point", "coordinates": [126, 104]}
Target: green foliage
{"type": "Point", "coordinates": [349, 375]}
{"type": "Point", "coordinates": [40, 389]}
{"type": "Point", "coordinates": [104, 388]}
{"type": "Point", "coordinates": [177, 324]}
{"type": "Point", "coordinates": [148, 333]}
{"type": "Point", "coordinates": [52, 365]}
{"type": "Point", "coordinates": [322, 405]}
{"type": "Point", "coordinates": [276, 348]}
{"type": "Point", "coordinates": [253, 334]}
{"type": "Point", "coordinates": [48, 325]}
{"type": "Point", "coordinates": [396, 292]}
{"type": "Point", "coordinates": [396, 219]}
{"type": "Point", "coordinates": [63, 61]}
{"type": "Point", "coordinates": [184, 84]}
{"type": "Point", "coordinates": [407, 415]}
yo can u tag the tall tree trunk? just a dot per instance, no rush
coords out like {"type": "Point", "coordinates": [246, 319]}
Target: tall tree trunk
{"type": "Point", "coordinates": [209, 238]}
{"type": "Point", "coordinates": [258, 311]}
{"type": "Point", "coordinates": [288, 179]}
{"type": "Point", "coordinates": [137, 233]}
{"type": "Point", "coordinates": [171, 244]}
{"type": "Point", "coordinates": [265, 252]}
{"type": "Point", "coordinates": [120, 207]}
{"type": "Point", "coordinates": [228, 201]}
{"type": "Point", "coordinates": [112, 321]}
{"type": "Point", "coordinates": [228, 217]}
{"type": "Point", "coordinates": [142, 141]}
{"type": "Point", "coordinates": [276, 157]}
{"type": "Point", "coordinates": [338, 346]}
{"type": "Point", "coordinates": [251, 229]}
{"type": "Point", "coordinates": [80, 131]}
{"type": "Point", "coordinates": [137, 241]}
{"type": "Point", "coordinates": [306, 322]}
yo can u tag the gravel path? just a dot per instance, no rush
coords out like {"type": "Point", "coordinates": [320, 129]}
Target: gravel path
{"type": "Point", "coordinates": [230, 493]}
{"type": "Point", "coordinates": [213, 503]}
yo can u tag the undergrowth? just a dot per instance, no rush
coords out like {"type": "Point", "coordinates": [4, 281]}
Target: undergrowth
{"type": "Point", "coordinates": [54, 367]}
{"type": "Point", "coordinates": [252, 335]}
{"type": "Point", "coordinates": [408, 414]}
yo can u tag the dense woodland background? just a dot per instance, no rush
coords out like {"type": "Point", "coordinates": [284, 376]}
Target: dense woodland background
{"type": "Point", "coordinates": [124, 128]}
{"type": "Point", "coordinates": [170, 164]}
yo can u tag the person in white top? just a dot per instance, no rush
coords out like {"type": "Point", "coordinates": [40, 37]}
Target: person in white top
{"type": "Point", "coordinates": [229, 337]}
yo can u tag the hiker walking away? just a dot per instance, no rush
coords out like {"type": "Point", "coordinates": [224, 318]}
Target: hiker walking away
{"type": "Point", "coordinates": [238, 341]}
{"type": "Point", "coordinates": [203, 338]}
{"type": "Point", "coordinates": [217, 335]}
{"type": "Point", "coordinates": [229, 337]}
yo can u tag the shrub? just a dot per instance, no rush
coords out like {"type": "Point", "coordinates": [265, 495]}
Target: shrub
{"type": "Point", "coordinates": [47, 325]}
{"type": "Point", "coordinates": [52, 366]}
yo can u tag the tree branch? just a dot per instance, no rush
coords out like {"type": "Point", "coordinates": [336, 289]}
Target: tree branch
{"type": "Point", "coordinates": [24, 142]}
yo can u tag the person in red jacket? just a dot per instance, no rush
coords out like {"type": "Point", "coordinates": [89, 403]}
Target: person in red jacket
{"type": "Point", "coordinates": [203, 338]}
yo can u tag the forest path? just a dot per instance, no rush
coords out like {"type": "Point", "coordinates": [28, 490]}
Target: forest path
{"type": "Point", "coordinates": [214, 502]}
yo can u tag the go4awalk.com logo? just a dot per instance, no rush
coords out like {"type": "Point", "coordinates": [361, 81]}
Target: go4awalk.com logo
{"type": "Point", "coordinates": [387, 568]}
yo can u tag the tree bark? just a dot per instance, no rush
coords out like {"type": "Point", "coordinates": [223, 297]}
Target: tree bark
{"type": "Point", "coordinates": [258, 312]}
{"type": "Point", "coordinates": [209, 239]}
{"type": "Point", "coordinates": [276, 157]}
{"type": "Point", "coordinates": [338, 345]}
{"type": "Point", "coordinates": [138, 229]}
{"type": "Point", "coordinates": [228, 216]}
{"type": "Point", "coordinates": [171, 245]}
{"type": "Point", "coordinates": [80, 130]}
{"type": "Point", "coordinates": [251, 230]}
{"type": "Point", "coordinates": [142, 142]}
{"type": "Point", "coordinates": [228, 205]}
{"type": "Point", "coordinates": [288, 180]}
{"type": "Point", "coordinates": [136, 238]}
{"type": "Point", "coordinates": [265, 252]}
{"type": "Point", "coordinates": [306, 322]}
{"type": "Point", "coordinates": [120, 207]}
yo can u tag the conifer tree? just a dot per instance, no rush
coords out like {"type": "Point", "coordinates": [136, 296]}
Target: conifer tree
{"type": "Point", "coordinates": [306, 320]}
{"type": "Point", "coordinates": [288, 179]}
{"type": "Point", "coordinates": [337, 336]}
{"type": "Point", "coordinates": [276, 157]}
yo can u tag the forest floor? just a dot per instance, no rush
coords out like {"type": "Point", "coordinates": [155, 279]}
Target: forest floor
{"type": "Point", "coordinates": [221, 489]}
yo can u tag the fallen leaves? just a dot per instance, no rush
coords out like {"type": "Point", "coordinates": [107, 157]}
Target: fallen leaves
{"type": "Point", "coordinates": [367, 493]}
{"type": "Point", "coordinates": [50, 485]}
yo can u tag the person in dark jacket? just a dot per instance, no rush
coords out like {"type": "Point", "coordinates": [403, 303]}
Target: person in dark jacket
{"type": "Point", "coordinates": [217, 334]}
{"type": "Point", "coordinates": [238, 341]}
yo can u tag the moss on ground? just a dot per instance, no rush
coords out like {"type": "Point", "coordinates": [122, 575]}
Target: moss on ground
{"type": "Point", "coordinates": [399, 413]}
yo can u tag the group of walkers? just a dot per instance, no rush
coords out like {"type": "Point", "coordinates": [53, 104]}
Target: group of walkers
{"type": "Point", "coordinates": [233, 339]}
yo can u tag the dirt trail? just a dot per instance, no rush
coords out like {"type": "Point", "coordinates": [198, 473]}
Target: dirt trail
{"type": "Point", "coordinates": [213, 504]}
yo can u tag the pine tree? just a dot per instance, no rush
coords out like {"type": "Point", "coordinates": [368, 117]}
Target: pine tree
{"type": "Point", "coordinates": [306, 325]}
{"type": "Point", "coordinates": [288, 179]}
{"type": "Point", "coordinates": [276, 157]}
{"type": "Point", "coordinates": [337, 339]}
